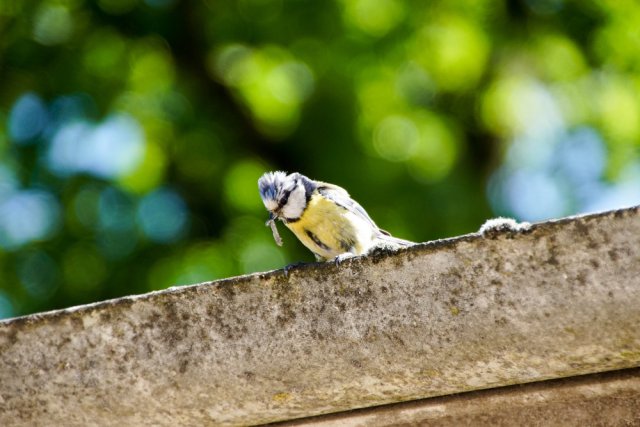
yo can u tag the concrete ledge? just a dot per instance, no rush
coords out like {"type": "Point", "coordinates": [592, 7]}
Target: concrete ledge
{"type": "Point", "coordinates": [559, 299]}
{"type": "Point", "coordinates": [606, 399]}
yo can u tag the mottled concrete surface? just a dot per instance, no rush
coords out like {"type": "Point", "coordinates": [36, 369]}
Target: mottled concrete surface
{"type": "Point", "coordinates": [559, 299]}
{"type": "Point", "coordinates": [607, 399]}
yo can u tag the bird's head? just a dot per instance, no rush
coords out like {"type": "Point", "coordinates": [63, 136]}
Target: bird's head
{"type": "Point", "coordinates": [285, 196]}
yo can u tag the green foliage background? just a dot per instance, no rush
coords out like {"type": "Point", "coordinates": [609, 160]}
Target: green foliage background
{"type": "Point", "coordinates": [132, 132]}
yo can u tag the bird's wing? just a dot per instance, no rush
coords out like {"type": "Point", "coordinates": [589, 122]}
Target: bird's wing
{"type": "Point", "coordinates": [341, 197]}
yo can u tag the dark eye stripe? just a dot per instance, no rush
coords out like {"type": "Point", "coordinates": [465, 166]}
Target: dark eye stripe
{"type": "Point", "coordinates": [284, 199]}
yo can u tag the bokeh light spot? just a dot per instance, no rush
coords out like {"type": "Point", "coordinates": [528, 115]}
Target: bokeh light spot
{"type": "Point", "coordinates": [115, 211]}
{"type": "Point", "coordinates": [620, 110]}
{"type": "Point", "coordinates": [616, 42]}
{"type": "Point", "coordinates": [396, 138]}
{"type": "Point", "coordinates": [549, 178]}
{"type": "Point", "coordinates": [162, 215]}
{"type": "Point", "coordinates": [623, 193]}
{"type": "Point", "coordinates": [152, 68]}
{"type": "Point", "coordinates": [582, 156]}
{"type": "Point", "coordinates": [377, 97]}
{"type": "Point", "coordinates": [414, 84]}
{"type": "Point", "coordinates": [27, 216]}
{"type": "Point", "coordinates": [110, 149]}
{"type": "Point", "coordinates": [518, 105]}
{"type": "Point", "coordinates": [231, 63]}
{"type": "Point", "coordinates": [269, 81]}
{"type": "Point", "coordinates": [241, 185]}
{"type": "Point", "coordinates": [437, 151]}
{"type": "Point", "coordinates": [149, 173]}
{"type": "Point", "coordinates": [559, 58]}
{"type": "Point", "coordinates": [69, 108]}
{"type": "Point", "coordinates": [27, 118]}
{"type": "Point", "coordinates": [454, 51]}
{"type": "Point", "coordinates": [53, 25]}
{"type": "Point", "coordinates": [290, 82]}
{"type": "Point", "coordinates": [374, 17]}
{"type": "Point", "coordinates": [529, 195]}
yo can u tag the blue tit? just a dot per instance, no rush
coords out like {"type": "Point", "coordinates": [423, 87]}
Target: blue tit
{"type": "Point", "coordinates": [322, 216]}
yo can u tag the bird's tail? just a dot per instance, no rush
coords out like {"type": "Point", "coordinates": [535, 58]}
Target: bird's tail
{"type": "Point", "coordinates": [384, 238]}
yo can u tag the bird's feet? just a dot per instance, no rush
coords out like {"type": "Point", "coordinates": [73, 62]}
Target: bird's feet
{"type": "Point", "coordinates": [338, 260]}
{"type": "Point", "coordinates": [290, 266]}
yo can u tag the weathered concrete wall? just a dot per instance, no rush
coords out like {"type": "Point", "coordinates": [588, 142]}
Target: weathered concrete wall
{"type": "Point", "coordinates": [606, 399]}
{"type": "Point", "coordinates": [557, 300]}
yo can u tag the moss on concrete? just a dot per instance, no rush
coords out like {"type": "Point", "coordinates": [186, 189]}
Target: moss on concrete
{"type": "Point", "coordinates": [478, 311]}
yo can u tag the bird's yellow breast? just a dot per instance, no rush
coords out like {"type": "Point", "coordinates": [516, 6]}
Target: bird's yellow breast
{"type": "Point", "coordinates": [329, 230]}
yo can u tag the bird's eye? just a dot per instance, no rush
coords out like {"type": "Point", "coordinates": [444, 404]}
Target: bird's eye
{"type": "Point", "coordinates": [284, 199]}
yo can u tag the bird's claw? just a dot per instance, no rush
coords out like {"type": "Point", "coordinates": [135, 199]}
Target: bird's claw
{"type": "Point", "coordinates": [338, 260]}
{"type": "Point", "coordinates": [290, 266]}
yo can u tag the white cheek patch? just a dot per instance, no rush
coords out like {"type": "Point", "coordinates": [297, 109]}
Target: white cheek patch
{"type": "Point", "coordinates": [296, 203]}
{"type": "Point", "coordinates": [270, 204]}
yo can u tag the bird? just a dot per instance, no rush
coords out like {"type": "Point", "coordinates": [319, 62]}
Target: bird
{"type": "Point", "coordinates": [322, 216]}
